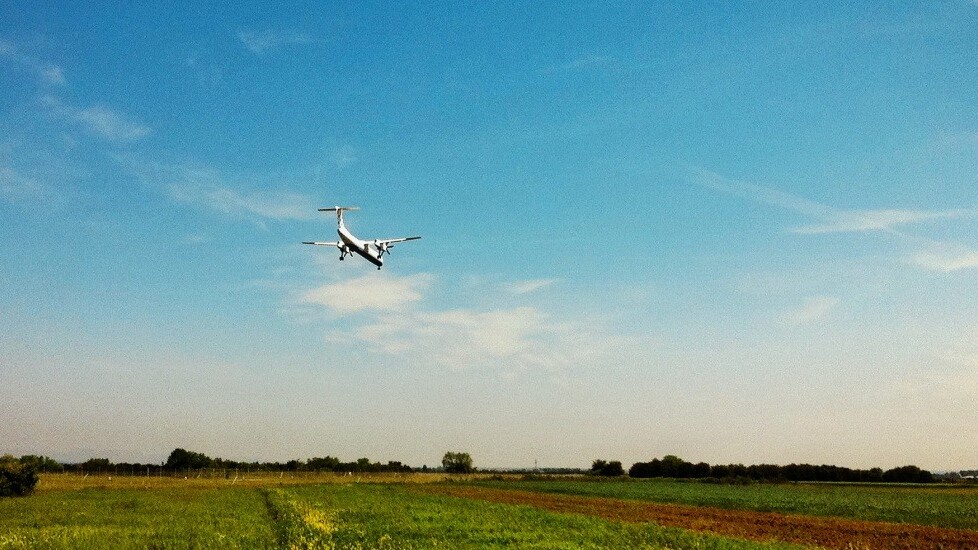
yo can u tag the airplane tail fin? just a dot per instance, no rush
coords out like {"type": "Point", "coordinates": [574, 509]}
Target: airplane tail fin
{"type": "Point", "coordinates": [339, 211]}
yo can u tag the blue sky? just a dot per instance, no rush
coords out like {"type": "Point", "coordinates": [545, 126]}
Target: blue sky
{"type": "Point", "coordinates": [736, 233]}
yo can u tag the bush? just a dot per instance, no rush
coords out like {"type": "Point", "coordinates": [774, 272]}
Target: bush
{"type": "Point", "coordinates": [16, 478]}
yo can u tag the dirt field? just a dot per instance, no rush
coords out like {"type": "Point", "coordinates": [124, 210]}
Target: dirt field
{"type": "Point", "coordinates": [760, 526]}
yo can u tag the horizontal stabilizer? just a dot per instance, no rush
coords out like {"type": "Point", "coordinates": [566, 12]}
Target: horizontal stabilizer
{"type": "Point", "coordinates": [339, 208]}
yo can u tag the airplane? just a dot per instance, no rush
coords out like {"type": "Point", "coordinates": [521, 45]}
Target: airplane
{"type": "Point", "coordinates": [372, 250]}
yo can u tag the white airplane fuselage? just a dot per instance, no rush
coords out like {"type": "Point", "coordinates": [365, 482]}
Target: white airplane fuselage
{"type": "Point", "coordinates": [363, 248]}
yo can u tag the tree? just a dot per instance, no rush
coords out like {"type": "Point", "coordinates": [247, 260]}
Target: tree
{"type": "Point", "coordinates": [96, 464]}
{"type": "Point", "coordinates": [457, 463]}
{"type": "Point", "coordinates": [16, 478]}
{"type": "Point", "coordinates": [608, 469]}
{"type": "Point", "coordinates": [42, 463]}
{"type": "Point", "coordinates": [907, 474]}
{"type": "Point", "coordinates": [182, 459]}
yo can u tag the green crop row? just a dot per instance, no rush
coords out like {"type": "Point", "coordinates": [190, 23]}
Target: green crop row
{"type": "Point", "coordinates": [924, 504]}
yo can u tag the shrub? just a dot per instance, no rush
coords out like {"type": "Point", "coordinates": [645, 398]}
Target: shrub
{"type": "Point", "coordinates": [16, 478]}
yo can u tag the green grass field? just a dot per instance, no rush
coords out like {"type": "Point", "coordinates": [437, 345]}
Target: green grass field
{"type": "Point", "coordinates": [391, 516]}
{"type": "Point", "coordinates": [941, 506]}
{"type": "Point", "coordinates": [227, 517]}
{"type": "Point", "coordinates": [273, 514]}
{"type": "Point", "coordinates": [388, 512]}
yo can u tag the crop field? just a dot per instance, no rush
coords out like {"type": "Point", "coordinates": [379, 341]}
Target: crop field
{"type": "Point", "coordinates": [954, 506]}
{"type": "Point", "coordinates": [428, 511]}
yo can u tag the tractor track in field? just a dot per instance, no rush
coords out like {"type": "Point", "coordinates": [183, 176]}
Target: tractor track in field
{"type": "Point", "coordinates": [829, 532]}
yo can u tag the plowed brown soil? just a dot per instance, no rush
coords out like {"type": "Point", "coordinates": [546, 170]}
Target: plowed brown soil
{"type": "Point", "coordinates": [761, 526]}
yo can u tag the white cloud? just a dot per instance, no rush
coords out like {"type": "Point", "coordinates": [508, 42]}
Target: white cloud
{"type": "Point", "coordinates": [928, 254]}
{"type": "Point", "coordinates": [392, 320]}
{"type": "Point", "coordinates": [45, 72]}
{"type": "Point", "coordinates": [16, 187]}
{"type": "Point", "coordinates": [110, 124]}
{"type": "Point", "coordinates": [53, 75]}
{"type": "Point", "coordinates": [526, 287]}
{"type": "Point", "coordinates": [377, 291]}
{"type": "Point", "coordinates": [506, 340]}
{"type": "Point", "coordinates": [814, 309]}
{"type": "Point", "coordinates": [282, 205]}
{"type": "Point", "coordinates": [260, 42]}
{"type": "Point", "coordinates": [101, 121]}
{"type": "Point", "coordinates": [945, 261]}
{"type": "Point", "coordinates": [209, 188]}
{"type": "Point", "coordinates": [877, 220]}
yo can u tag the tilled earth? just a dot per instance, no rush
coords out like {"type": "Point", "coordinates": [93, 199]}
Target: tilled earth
{"type": "Point", "coordinates": [828, 532]}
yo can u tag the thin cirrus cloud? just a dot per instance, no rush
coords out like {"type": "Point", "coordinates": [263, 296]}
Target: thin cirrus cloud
{"type": "Point", "coordinates": [944, 257]}
{"type": "Point", "coordinates": [526, 287]}
{"type": "Point", "coordinates": [255, 205]}
{"type": "Point", "coordinates": [100, 120]}
{"type": "Point", "coordinates": [111, 124]}
{"type": "Point", "coordinates": [16, 187]}
{"type": "Point", "coordinates": [927, 253]}
{"type": "Point", "coordinates": [878, 220]}
{"type": "Point", "coordinates": [830, 220]}
{"type": "Point", "coordinates": [46, 73]}
{"type": "Point", "coordinates": [207, 188]}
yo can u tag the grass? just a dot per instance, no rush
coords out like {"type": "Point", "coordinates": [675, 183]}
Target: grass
{"type": "Point", "coordinates": [392, 516]}
{"type": "Point", "coordinates": [270, 513]}
{"type": "Point", "coordinates": [133, 518]}
{"type": "Point", "coordinates": [386, 511]}
{"type": "Point", "coordinates": [952, 507]}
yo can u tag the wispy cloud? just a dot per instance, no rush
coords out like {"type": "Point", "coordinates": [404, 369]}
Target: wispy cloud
{"type": "Point", "coordinates": [814, 309]}
{"type": "Point", "coordinates": [526, 287]}
{"type": "Point", "coordinates": [111, 124]}
{"type": "Point", "coordinates": [282, 205]}
{"type": "Point", "coordinates": [46, 73]}
{"type": "Point", "coordinates": [209, 188]}
{"type": "Point", "coordinates": [507, 340]}
{"type": "Point", "coordinates": [878, 220]}
{"type": "Point", "coordinates": [100, 121]}
{"type": "Point", "coordinates": [928, 254]}
{"type": "Point", "coordinates": [15, 187]}
{"type": "Point", "coordinates": [830, 220]}
{"type": "Point", "coordinates": [944, 257]}
{"type": "Point", "coordinates": [261, 42]}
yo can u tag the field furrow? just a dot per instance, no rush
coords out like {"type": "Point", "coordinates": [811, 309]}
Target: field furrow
{"type": "Point", "coordinates": [761, 526]}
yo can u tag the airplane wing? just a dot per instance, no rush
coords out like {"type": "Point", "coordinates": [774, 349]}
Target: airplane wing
{"type": "Point", "coordinates": [389, 242]}
{"type": "Point", "coordinates": [332, 243]}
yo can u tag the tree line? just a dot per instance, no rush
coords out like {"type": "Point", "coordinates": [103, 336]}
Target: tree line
{"type": "Point", "coordinates": [183, 460]}
{"type": "Point", "coordinates": [672, 466]}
